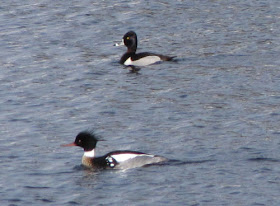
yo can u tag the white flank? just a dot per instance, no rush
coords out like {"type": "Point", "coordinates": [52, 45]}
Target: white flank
{"type": "Point", "coordinates": [143, 61]}
{"type": "Point", "coordinates": [125, 157]}
{"type": "Point", "coordinates": [89, 153]}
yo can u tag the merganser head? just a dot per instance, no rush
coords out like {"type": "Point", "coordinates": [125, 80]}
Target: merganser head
{"type": "Point", "coordinates": [87, 140]}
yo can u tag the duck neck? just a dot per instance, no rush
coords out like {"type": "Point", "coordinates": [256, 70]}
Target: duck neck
{"type": "Point", "coordinates": [131, 50]}
{"type": "Point", "coordinates": [88, 157]}
{"type": "Point", "coordinates": [90, 153]}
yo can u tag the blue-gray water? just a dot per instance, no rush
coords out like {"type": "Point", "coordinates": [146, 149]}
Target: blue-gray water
{"type": "Point", "coordinates": [215, 111]}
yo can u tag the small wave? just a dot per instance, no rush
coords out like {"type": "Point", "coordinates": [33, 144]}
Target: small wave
{"type": "Point", "coordinates": [180, 162]}
{"type": "Point", "coordinates": [36, 188]}
{"type": "Point", "coordinates": [262, 159]}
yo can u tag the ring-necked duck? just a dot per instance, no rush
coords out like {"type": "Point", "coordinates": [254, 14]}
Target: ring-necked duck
{"type": "Point", "coordinates": [123, 159]}
{"type": "Point", "coordinates": [130, 58]}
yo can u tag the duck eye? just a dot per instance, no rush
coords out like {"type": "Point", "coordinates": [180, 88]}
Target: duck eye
{"type": "Point", "coordinates": [127, 38]}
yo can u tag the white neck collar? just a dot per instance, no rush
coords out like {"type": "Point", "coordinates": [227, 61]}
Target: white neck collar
{"type": "Point", "coordinates": [89, 153]}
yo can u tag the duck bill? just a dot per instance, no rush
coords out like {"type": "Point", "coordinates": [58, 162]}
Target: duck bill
{"type": "Point", "coordinates": [119, 43]}
{"type": "Point", "coordinates": [69, 145]}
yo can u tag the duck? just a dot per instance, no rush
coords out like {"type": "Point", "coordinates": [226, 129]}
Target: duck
{"type": "Point", "coordinates": [131, 58]}
{"type": "Point", "coordinates": [120, 159]}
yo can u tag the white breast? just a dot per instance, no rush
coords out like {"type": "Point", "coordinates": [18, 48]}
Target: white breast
{"type": "Point", "coordinates": [143, 61]}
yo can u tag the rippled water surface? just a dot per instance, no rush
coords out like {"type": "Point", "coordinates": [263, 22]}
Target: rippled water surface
{"type": "Point", "coordinates": [215, 112]}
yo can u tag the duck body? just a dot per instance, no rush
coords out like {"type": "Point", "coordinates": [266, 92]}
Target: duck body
{"type": "Point", "coordinates": [131, 58]}
{"type": "Point", "coordinates": [143, 59]}
{"type": "Point", "coordinates": [121, 159]}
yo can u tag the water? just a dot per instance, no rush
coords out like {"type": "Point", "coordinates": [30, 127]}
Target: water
{"type": "Point", "coordinates": [215, 112]}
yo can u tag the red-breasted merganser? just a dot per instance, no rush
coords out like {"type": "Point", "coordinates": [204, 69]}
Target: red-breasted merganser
{"type": "Point", "coordinates": [122, 159]}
